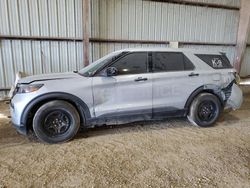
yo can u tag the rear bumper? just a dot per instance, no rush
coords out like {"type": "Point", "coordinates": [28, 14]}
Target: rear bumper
{"type": "Point", "coordinates": [236, 98]}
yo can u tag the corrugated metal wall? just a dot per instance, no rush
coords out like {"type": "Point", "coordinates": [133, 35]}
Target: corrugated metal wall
{"type": "Point", "coordinates": [41, 17]}
{"type": "Point", "coordinates": [148, 20]}
{"type": "Point", "coordinates": [110, 19]}
{"type": "Point", "coordinates": [53, 18]}
{"type": "Point", "coordinates": [35, 57]}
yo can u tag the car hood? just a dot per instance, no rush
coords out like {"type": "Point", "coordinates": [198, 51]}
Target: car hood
{"type": "Point", "coordinates": [47, 77]}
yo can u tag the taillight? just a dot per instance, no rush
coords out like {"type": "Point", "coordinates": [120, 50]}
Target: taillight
{"type": "Point", "coordinates": [237, 78]}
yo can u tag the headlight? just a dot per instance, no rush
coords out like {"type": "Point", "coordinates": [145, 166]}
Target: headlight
{"type": "Point", "coordinates": [23, 88]}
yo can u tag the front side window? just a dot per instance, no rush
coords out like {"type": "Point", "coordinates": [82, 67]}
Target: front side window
{"type": "Point", "coordinates": [134, 63]}
{"type": "Point", "coordinates": [93, 67]}
{"type": "Point", "coordinates": [171, 61]}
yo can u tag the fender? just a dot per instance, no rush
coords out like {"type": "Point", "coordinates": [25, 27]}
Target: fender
{"type": "Point", "coordinates": [210, 88]}
{"type": "Point", "coordinates": [34, 104]}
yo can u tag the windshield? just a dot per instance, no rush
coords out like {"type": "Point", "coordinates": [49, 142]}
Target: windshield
{"type": "Point", "coordinates": [93, 67]}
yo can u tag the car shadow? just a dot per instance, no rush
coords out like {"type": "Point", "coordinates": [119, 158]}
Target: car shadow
{"type": "Point", "coordinates": [225, 119]}
{"type": "Point", "coordinates": [170, 123]}
{"type": "Point", "coordinates": [8, 133]}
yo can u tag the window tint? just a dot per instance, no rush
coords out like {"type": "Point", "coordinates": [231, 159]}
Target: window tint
{"type": "Point", "coordinates": [215, 61]}
{"type": "Point", "coordinates": [188, 64]}
{"type": "Point", "coordinates": [171, 61]}
{"type": "Point", "coordinates": [134, 63]}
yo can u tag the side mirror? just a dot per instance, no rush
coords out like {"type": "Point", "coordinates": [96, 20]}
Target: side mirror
{"type": "Point", "coordinates": [111, 71]}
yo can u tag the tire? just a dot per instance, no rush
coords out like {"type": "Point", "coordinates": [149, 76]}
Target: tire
{"type": "Point", "coordinates": [205, 110]}
{"type": "Point", "coordinates": [56, 121]}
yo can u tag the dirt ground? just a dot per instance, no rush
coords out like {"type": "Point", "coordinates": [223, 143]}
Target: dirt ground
{"type": "Point", "coordinates": [169, 153]}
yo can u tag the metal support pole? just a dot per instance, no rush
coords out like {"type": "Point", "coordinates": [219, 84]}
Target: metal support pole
{"type": "Point", "coordinates": [86, 46]}
{"type": "Point", "coordinates": [243, 32]}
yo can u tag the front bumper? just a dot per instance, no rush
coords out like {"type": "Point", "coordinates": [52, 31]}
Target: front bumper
{"type": "Point", "coordinates": [17, 105]}
{"type": "Point", "coordinates": [21, 129]}
{"type": "Point", "coordinates": [236, 98]}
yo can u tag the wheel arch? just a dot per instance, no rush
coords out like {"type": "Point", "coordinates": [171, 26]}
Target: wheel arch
{"type": "Point", "coordinates": [213, 89]}
{"type": "Point", "coordinates": [33, 106]}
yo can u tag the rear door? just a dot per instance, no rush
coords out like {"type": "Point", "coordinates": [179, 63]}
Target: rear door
{"type": "Point", "coordinates": [174, 79]}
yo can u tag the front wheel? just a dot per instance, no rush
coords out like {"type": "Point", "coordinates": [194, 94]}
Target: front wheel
{"type": "Point", "coordinates": [56, 121]}
{"type": "Point", "coordinates": [205, 110]}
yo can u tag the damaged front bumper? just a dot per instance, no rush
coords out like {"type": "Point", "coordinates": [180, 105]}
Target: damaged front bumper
{"type": "Point", "coordinates": [236, 98]}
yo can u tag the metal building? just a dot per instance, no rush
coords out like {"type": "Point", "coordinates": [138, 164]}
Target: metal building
{"type": "Point", "coordinates": [44, 36]}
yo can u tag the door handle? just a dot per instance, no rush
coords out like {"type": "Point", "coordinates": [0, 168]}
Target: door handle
{"type": "Point", "coordinates": [193, 74]}
{"type": "Point", "coordinates": [140, 79]}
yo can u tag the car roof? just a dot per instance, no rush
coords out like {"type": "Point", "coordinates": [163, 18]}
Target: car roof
{"type": "Point", "coordinates": [195, 51]}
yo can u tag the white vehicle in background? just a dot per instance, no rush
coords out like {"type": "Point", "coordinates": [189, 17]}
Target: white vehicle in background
{"type": "Point", "coordinates": [126, 86]}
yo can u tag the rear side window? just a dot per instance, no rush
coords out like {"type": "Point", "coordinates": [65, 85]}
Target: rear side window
{"type": "Point", "coordinates": [171, 61]}
{"type": "Point", "coordinates": [215, 61]}
{"type": "Point", "coordinates": [134, 63]}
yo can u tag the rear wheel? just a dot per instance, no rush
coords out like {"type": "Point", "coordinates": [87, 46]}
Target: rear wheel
{"type": "Point", "coordinates": [204, 110]}
{"type": "Point", "coordinates": [56, 121]}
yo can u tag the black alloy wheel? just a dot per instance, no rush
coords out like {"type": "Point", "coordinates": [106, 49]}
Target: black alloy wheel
{"type": "Point", "coordinates": [205, 110]}
{"type": "Point", "coordinates": [56, 121]}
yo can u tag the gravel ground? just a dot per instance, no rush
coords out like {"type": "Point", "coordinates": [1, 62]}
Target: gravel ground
{"type": "Point", "coordinates": [169, 153]}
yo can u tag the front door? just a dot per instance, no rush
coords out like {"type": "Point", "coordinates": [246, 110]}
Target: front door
{"type": "Point", "coordinates": [129, 93]}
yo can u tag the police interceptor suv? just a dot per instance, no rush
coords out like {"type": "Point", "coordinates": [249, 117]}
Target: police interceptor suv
{"type": "Point", "coordinates": [126, 86]}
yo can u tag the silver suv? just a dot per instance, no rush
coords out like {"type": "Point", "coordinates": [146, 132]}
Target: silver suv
{"type": "Point", "coordinates": [126, 86]}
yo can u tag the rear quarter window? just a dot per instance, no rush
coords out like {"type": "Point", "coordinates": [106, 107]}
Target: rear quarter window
{"type": "Point", "coordinates": [215, 61]}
